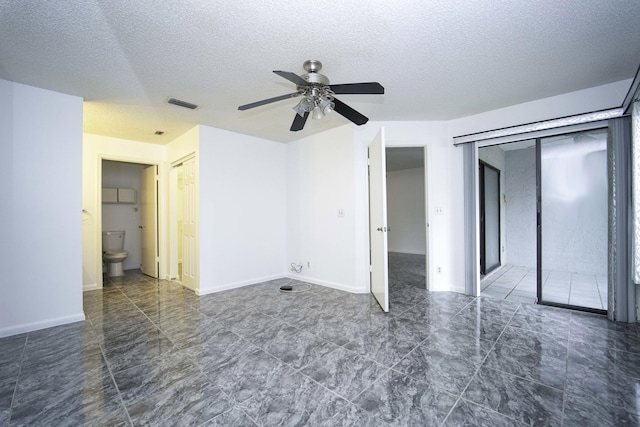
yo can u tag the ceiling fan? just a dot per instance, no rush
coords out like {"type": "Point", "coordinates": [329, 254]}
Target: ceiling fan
{"type": "Point", "coordinates": [319, 96]}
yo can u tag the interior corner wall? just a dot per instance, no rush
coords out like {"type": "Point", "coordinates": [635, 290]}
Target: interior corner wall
{"type": "Point", "coordinates": [41, 167]}
{"type": "Point", "coordinates": [95, 148]}
{"type": "Point", "coordinates": [242, 205]}
{"type": "Point", "coordinates": [405, 211]}
{"type": "Point", "coordinates": [320, 181]}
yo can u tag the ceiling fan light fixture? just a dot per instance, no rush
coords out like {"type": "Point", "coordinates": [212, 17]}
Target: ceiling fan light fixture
{"type": "Point", "coordinates": [317, 113]}
{"type": "Point", "coordinates": [327, 105]}
{"type": "Point", "coordinates": [305, 105]}
{"type": "Point", "coordinates": [299, 109]}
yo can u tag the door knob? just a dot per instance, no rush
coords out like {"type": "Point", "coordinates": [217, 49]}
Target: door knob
{"type": "Point", "coordinates": [140, 226]}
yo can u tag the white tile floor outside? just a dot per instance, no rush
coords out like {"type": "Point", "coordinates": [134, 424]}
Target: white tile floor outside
{"type": "Point", "coordinates": [518, 284]}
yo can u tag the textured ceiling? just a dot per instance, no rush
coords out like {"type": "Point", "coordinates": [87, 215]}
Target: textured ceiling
{"type": "Point", "coordinates": [437, 59]}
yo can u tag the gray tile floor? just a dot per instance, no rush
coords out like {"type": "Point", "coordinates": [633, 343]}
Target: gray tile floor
{"type": "Point", "coordinates": [153, 353]}
{"type": "Point", "coordinates": [518, 284]}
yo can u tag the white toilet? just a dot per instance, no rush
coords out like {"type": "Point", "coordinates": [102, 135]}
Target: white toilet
{"type": "Point", "coordinates": [113, 252]}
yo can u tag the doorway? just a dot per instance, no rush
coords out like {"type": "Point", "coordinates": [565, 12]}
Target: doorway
{"type": "Point", "coordinates": [406, 218]}
{"type": "Point", "coordinates": [398, 225]}
{"type": "Point", "coordinates": [125, 207]}
{"type": "Point", "coordinates": [183, 224]}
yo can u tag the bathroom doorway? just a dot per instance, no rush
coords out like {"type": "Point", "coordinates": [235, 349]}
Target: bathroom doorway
{"type": "Point", "coordinates": [124, 213]}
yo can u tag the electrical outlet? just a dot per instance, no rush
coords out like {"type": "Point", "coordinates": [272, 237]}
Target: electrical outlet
{"type": "Point", "coordinates": [439, 270]}
{"type": "Point", "coordinates": [308, 264]}
{"type": "Point", "coordinates": [340, 213]}
{"type": "Point", "coordinates": [439, 210]}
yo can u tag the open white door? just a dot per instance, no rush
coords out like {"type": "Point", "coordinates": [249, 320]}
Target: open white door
{"type": "Point", "coordinates": [149, 218]}
{"type": "Point", "coordinates": [189, 232]}
{"type": "Point", "coordinates": [378, 221]}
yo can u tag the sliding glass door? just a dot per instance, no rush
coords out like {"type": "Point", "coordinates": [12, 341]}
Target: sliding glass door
{"type": "Point", "coordinates": [489, 178]}
{"type": "Point", "coordinates": [572, 219]}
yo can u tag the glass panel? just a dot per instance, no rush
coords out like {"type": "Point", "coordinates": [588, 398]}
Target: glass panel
{"type": "Point", "coordinates": [492, 218]}
{"type": "Point", "coordinates": [635, 188]}
{"type": "Point", "coordinates": [573, 191]}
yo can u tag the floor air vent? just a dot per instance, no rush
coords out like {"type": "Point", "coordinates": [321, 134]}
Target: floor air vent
{"type": "Point", "coordinates": [182, 103]}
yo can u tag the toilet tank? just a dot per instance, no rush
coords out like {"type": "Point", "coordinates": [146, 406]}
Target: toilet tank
{"type": "Point", "coordinates": [112, 241]}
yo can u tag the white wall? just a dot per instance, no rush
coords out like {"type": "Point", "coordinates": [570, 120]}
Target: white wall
{"type": "Point", "coordinates": [242, 203]}
{"type": "Point", "coordinates": [320, 180]}
{"type": "Point", "coordinates": [124, 216]}
{"type": "Point", "coordinates": [41, 167]}
{"type": "Point", "coordinates": [583, 101]}
{"type": "Point", "coordinates": [95, 148]}
{"type": "Point", "coordinates": [406, 211]}
{"type": "Point", "coordinates": [520, 191]}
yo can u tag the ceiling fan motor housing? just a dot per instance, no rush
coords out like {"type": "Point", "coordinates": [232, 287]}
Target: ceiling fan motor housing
{"type": "Point", "coordinates": [313, 76]}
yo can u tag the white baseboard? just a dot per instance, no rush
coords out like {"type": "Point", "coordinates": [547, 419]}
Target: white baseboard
{"type": "Point", "coordinates": [90, 287]}
{"type": "Point", "coordinates": [302, 278]}
{"type": "Point", "coordinates": [43, 324]}
{"type": "Point", "coordinates": [447, 288]}
{"type": "Point", "coordinates": [333, 285]}
{"type": "Point", "coordinates": [227, 286]}
{"type": "Point", "coordinates": [406, 251]}
{"type": "Point", "coordinates": [194, 289]}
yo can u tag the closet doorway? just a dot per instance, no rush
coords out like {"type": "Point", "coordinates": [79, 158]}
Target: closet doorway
{"type": "Point", "coordinates": [184, 222]}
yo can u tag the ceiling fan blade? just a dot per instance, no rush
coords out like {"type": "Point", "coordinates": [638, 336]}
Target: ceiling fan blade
{"type": "Point", "coordinates": [268, 101]}
{"type": "Point", "coordinates": [298, 122]}
{"type": "Point", "coordinates": [371, 88]}
{"type": "Point", "coordinates": [349, 113]}
{"type": "Point", "coordinates": [292, 77]}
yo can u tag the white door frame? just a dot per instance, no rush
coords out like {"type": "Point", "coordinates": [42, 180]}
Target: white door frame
{"type": "Point", "coordinates": [172, 270]}
{"type": "Point", "coordinates": [427, 187]}
{"type": "Point", "coordinates": [98, 210]}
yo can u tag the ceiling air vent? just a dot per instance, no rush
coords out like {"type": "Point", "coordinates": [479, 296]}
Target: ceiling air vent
{"type": "Point", "coordinates": [182, 103]}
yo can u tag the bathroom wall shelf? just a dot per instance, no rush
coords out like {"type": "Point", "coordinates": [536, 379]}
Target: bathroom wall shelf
{"type": "Point", "coordinates": [118, 195]}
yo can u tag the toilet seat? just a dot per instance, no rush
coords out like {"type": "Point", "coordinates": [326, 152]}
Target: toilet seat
{"type": "Point", "coordinates": [116, 253]}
